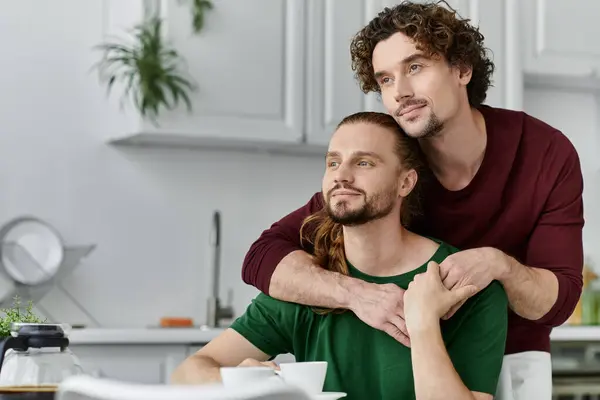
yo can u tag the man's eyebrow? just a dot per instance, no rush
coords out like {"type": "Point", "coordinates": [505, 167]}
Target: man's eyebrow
{"type": "Point", "coordinates": [367, 154]}
{"type": "Point", "coordinates": [414, 57]}
{"type": "Point", "coordinates": [406, 60]}
{"type": "Point", "coordinates": [355, 154]}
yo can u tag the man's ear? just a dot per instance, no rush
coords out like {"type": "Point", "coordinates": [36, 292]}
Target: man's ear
{"type": "Point", "coordinates": [464, 73]}
{"type": "Point", "coordinates": [407, 181]}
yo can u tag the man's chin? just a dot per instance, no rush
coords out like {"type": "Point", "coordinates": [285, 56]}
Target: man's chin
{"type": "Point", "coordinates": [348, 219]}
{"type": "Point", "coordinates": [413, 130]}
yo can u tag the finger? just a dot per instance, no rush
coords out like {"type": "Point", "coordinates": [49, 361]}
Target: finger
{"type": "Point", "coordinates": [444, 269]}
{"type": "Point", "coordinates": [249, 362]}
{"type": "Point", "coordinates": [453, 310]}
{"type": "Point", "coordinates": [271, 364]}
{"type": "Point", "coordinates": [400, 310]}
{"type": "Point", "coordinates": [400, 324]}
{"type": "Point", "coordinates": [433, 268]}
{"type": "Point", "coordinates": [450, 281]}
{"type": "Point", "coordinates": [461, 294]}
{"type": "Point", "coordinates": [394, 332]}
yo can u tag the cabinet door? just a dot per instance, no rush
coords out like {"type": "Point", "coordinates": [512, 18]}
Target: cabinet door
{"type": "Point", "coordinates": [332, 91]}
{"type": "Point", "coordinates": [152, 364]}
{"type": "Point", "coordinates": [560, 38]}
{"type": "Point", "coordinates": [247, 63]}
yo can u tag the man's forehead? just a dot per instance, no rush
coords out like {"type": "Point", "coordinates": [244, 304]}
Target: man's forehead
{"type": "Point", "coordinates": [397, 44]}
{"type": "Point", "coordinates": [366, 141]}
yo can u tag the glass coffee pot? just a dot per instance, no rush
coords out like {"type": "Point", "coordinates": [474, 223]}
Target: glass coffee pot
{"type": "Point", "coordinates": [36, 358]}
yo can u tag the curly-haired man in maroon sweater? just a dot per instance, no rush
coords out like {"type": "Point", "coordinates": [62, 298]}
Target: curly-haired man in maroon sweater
{"type": "Point", "coordinates": [505, 188]}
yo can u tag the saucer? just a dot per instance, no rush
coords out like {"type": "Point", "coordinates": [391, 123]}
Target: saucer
{"type": "Point", "coordinates": [328, 396]}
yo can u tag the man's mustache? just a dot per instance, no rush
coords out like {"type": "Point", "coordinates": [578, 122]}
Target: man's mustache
{"type": "Point", "coordinates": [344, 186]}
{"type": "Point", "coordinates": [409, 103]}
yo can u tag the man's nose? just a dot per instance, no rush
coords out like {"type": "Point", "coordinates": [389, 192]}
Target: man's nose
{"type": "Point", "coordinates": [402, 90]}
{"type": "Point", "coordinates": [343, 175]}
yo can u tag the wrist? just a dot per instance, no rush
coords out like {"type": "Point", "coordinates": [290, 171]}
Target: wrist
{"type": "Point", "coordinates": [348, 288]}
{"type": "Point", "coordinates": [425, 327]}
{"type": "Point", "coordinates": [505, 266]}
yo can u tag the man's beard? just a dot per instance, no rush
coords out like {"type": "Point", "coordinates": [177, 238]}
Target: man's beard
{"type": "Point", "coordinates": [374, 207]}
{"type": "Point", "coordinates": [431, 129]}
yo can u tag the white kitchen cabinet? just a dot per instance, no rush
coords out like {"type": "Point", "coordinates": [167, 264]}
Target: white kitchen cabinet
{"type": "Point", "coordinates": [151, 364]}
{"type": "Point", "coordinates": [332, 90]}
{"type": "Point", "coordinates": [559, 40]}
{"type": "Point", "coordinates": [248, 64]}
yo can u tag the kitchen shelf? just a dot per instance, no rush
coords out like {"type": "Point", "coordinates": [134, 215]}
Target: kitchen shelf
{"type": "Point", "coordinates": [160, 139]}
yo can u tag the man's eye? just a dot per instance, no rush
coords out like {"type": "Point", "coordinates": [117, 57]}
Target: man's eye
{"type": "Point", "coordinates": [414, 68]}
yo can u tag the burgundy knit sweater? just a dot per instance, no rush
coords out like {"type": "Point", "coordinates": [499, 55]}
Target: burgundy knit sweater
{"type": "Point", "coordinates": [526, 200]}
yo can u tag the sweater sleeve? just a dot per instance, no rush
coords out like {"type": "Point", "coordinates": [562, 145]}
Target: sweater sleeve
{"type": "Point", "coordinates": [282, 238]}
{"type": "Point", "coordinates": [556, 243]}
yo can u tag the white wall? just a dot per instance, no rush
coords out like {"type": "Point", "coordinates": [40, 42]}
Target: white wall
{"type": "Point", "coordinates": [148, 210]}
{"type": "Point", "coordinates": [576, 113]}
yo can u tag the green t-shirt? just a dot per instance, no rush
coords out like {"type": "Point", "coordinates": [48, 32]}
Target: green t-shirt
{"type": "Point", "coordinates": [367, 363]}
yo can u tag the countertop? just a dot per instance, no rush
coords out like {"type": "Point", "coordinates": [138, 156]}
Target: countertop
{"type": "Point", "coordinates": [143, 335]}
{"type": "Point", "coordinates": [575, 333]}
{"type": "Point", "coordinates": [187, 336]}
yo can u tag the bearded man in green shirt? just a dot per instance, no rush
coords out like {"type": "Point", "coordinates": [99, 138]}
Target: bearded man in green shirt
{"type": "Point", "coordinates": [370, 188]}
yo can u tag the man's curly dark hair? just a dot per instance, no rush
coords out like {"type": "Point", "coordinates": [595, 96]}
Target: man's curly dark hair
{"type": "Point", "coordinates": [437, 31]}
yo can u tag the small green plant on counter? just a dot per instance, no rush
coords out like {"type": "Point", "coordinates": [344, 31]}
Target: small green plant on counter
{"type": "Point", "coordinates": [16, 314]}
{"type": "Point", "coordinates": [148, 69]}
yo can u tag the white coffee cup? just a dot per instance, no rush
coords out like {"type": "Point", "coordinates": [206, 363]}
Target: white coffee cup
{"type": "Point", "coordinates": [244, 376]}
{"type": "Point", "coordinates": [308, 375]}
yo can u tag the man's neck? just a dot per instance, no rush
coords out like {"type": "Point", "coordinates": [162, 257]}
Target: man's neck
{"type": "Point", "coordinates": [456, 154]}
{"type": "Point", "coordinates": [379, 248]}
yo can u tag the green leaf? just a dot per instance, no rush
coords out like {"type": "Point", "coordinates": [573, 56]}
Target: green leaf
{"type": "Point", "coordinates": [14, 315]}
{"type": "Point", "coordinates": [147, 69]}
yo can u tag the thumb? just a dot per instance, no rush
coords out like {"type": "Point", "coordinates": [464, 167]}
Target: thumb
{"type": "Point", "coordinates": [433, 268]}
{"type": "Point", "coordinates": [464, 292]}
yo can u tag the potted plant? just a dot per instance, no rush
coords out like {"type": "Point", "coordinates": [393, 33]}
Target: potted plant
{"type": "Point", "coordinates": [198, 9]}
{"type": "Point", "coordinates": [149, 70]}
{"type": "Point", "coordinates": [17, 314]}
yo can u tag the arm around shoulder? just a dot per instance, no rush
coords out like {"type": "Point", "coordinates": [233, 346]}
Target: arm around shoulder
{"type": "Point", "coordinates": [278, 265]}
{"type": "Point", "coordinates": [275, 243]}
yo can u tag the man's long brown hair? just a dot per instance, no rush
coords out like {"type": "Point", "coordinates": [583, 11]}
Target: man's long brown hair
{"type": "Point", "coordinates": [325, 235]}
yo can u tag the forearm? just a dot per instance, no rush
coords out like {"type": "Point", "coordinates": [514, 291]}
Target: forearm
{"type": "Point", "coordinates": [531, 291]}
{"type": "Point", "coordinates": [298, 280]}
{"type": "Point", "coordinates": [433, 371]}
{"type": "Point", "coordinates": [197, 369]}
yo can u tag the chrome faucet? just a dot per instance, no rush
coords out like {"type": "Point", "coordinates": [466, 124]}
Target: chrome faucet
{"type": "Point", "coordinates": [215, 312]}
